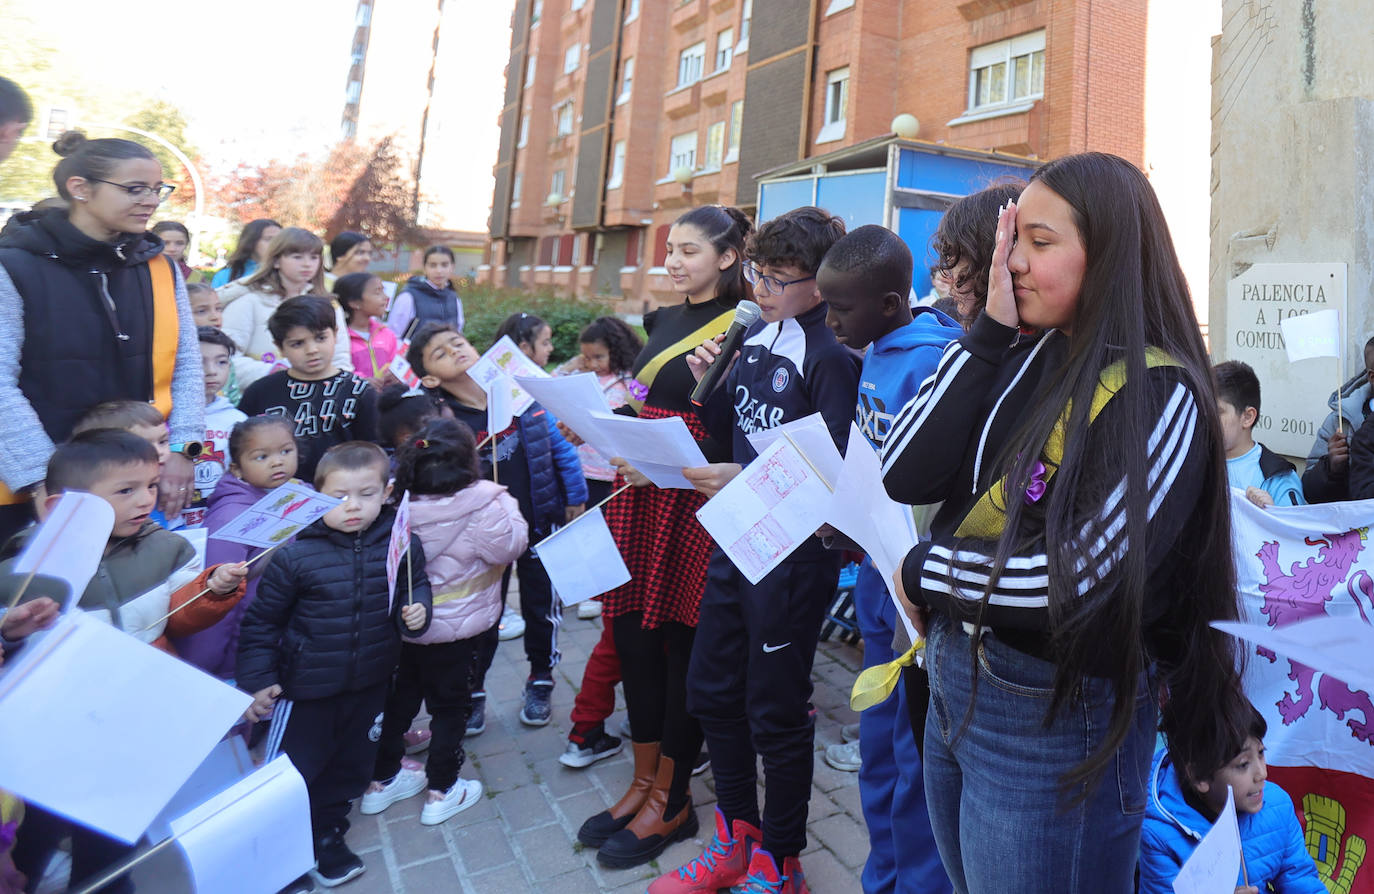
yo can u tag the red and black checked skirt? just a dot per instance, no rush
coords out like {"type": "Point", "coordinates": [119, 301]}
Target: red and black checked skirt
{"type": "Point", "coordinates": [664, 546]}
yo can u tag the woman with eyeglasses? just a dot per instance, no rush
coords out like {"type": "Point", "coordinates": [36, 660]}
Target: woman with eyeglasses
{"type": "Point", "coordinates": [90, 311]}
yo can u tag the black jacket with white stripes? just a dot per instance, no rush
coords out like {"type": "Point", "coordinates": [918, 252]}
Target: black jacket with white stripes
{"type": "Point", "coordinates": [944, 445]}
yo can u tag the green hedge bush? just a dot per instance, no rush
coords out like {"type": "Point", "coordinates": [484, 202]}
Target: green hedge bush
{"type": "Point", "coordinates": [485, 306]}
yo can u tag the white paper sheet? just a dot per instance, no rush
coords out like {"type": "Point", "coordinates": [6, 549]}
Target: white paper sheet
{"type": "Point", "coordinates": [104, 729]}
{"type": "Point", "coordinates": [767, 511]}
{"type": "Point", "coordinates": [1214, 866]}
{"type": "Point", "coordinates": [1333, 645]}
{"type": "Point", "coordinates": [809, 435]}
{"type": "Point", "coordinates": [69, 544]}
{"type": "Point", "coordinates": [863, 511]}
{"type": "Point", "coordinates": [226, 764]}
{"type": "Point", "coordinates": [576, 401]}
{"type": "Point", "coordinates": [1312, 335]}
{"type": "Point", "coordinates": [277, 517]}
{"type": "Point", "coordinates": [506, 359]}
{"type": "Point", "coordinates": [660, 448]}
{"type": "Point", "coordinates": [397, 548]}
{"type": "Point", "coordinates": [581, 559]}
{"type": "Point", "coordinates": [253, 837]}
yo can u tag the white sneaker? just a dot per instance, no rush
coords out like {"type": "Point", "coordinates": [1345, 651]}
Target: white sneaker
{"type": "Point", "coordinates": [588, 609]}
{"type": "Point", "coordinates": [406, 784]}
{"type": "Point", "coordinates": [512, 625]}
{"type": "Point", "coordinates": [844, 757]}
{"type": "Point", "coordinates": [849, 732]}
{"type": "Point", "coordinates": [463, 795]}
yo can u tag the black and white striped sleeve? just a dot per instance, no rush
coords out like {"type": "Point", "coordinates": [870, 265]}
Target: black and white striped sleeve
{"type": "Point", "coordinates": [953, 581]}
{"type": "Point", "coordinates": [930, 435]}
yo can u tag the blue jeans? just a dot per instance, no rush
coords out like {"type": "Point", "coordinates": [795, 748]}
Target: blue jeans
{"type": "Point", "coordinates": [993, 788]}
{"type": "Point", "coordinates": [890, 786]}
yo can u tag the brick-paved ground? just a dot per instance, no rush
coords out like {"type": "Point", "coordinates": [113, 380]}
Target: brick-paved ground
{"type": "Point", "coordinates": [523, 835]}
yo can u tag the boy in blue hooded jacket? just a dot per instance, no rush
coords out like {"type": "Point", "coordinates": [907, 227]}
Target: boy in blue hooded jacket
{"type": "Point", "coordinates": [865, 280]}
{"type": "Point", "coordinates": [1187, 796]}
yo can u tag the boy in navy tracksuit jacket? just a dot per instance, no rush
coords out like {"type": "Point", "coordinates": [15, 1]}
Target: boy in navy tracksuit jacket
{"type": "Point", "coordinates": [865, 280]}
{"type": "Point", "coordinates": [749, 681]}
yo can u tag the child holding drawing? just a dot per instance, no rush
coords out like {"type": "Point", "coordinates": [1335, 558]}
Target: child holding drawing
{"type": "Point", "coordinates": [319, 644]}
{"type": "Point", "coordinates": [749, 680]}
{"type": "Point", "coordinates": [542, 472]}
{"type": "Point", "coordinates": [1187, 795]}
{"type": "Point", "coordinates": [471, 529]}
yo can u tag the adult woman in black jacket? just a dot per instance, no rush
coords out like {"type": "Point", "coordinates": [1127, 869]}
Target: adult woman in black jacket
{"type": "Point", "coordinates": [91, 312]}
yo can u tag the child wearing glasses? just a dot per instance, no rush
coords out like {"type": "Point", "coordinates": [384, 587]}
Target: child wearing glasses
{"type": "Point", "coordinates": [749, 680]}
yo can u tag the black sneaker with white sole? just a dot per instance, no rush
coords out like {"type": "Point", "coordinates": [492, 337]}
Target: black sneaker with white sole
{"type": "Point", "coordinates": [334, 862]}
{"type": "Point", "coordinates": [598, 745]}
{"type": "Point", "coordinates": [537, 709]}
{"type": "Point", "coordinates": [477, 717]}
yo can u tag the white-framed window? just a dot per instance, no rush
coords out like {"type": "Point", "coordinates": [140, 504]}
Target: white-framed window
{"type": "Point", "coordinates": [690, 64]}
{"type": "Point", "coordinates": [736, 124]}
{"type": "Point", "coordinates": [715, 146]}
{"type": "Point", "coordinates": [363, 16]}
{"type": "Point", "coordinates": [627, 77]}
{"type": "Point", "coordinates": [746, 14]}
{"type": "Point", "coordinates": [617, 166]}
{"type": "Point", "coordinates": [836, 101]}
{"type": "Point", "coordinates": [556, 185]}
{"type": "Point", "coordinates": [725, 48]}
{"type": "Point", "coordinates": [524, 132]}
{"type": "Point", "coordinates": [516, 183]}
{"type": "Point", "coordinates": [631, 11]}
{"type": "Point", "coordinates": [682, 152]}
{"type": "Point", "coordinates": [572, 57]}
{"type": "Point", "coordinates": [564, 118]}
{"type": "Point", "coordinates": [1006, 72]}
{"type": "Point", "coordinates": [837, 5]}
{"type": "Point", "coordinates": [536, 12]}
{"type": "Point", "coordinates": [529, 70]}
{"type": "Point", "coordinates": [355, 90]}
{"type": "Point", "coordinates": [578, 4]}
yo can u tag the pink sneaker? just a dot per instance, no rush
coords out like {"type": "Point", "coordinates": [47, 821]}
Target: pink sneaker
{"type": "Point", "coordinates": [721, 865]}
{"type": "Point", "coordinates": [764, 876]}
{"type": "Point", "coordinates": [416, 740]}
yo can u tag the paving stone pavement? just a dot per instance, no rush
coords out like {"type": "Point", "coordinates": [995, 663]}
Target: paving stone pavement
{"type": "Point", "coordinates": [522, 836]}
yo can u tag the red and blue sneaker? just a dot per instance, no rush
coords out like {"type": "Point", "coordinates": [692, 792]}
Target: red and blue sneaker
{"type": "Point", "coordinates": [721, 865]}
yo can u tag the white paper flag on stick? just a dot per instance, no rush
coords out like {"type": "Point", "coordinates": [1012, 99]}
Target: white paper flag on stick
{"type": "Point", "coordinates": [69, 544]}
{"type": "Point", "coordinates": [582, 559]}
{"type": "Point", "coordinates": [1214, 866]}
{"type": "Point", "coordinates": [499, 403]}
{"type": "Point", "coordinates": [276, 518]}
{"type": "Point", "coordinates": [397, 548]}
{"type": "Point", "coordinates": [1306, 336]}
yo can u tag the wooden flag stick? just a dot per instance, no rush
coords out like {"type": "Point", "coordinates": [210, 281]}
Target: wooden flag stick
{"type": "Point", "coordinates": [22, 587]}
{"type": "Point", "coordinates": [613, 495]}
{"type": "Point", "coordinates": [204, 592]}
{"type": "Point", "coordinates": [410, 575]}
{"type": "Point", "coordinates": [817, 472]}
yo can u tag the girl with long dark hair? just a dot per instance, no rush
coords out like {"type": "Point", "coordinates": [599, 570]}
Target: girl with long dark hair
{"type": "Point", "coordinates": [1084, 542]}
{"type": "Point", "coordinates": [248, 253]}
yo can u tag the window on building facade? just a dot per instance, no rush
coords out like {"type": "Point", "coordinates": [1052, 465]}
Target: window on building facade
{"type": "Point", "coordinates": [536, 12]}
{"type": "Point", "coordinates": [745, 15]}
{"type": "Point", "coordinates": [529, 70]}
{"type": "Point", "coordinates": [682, 153]}
{"type": "Point", "coordinates": [556, 184]}
{"type": "Point", "coordinates": [578, 4]}
{"type": "Point", "coordinates": [1007, 72]}
{"type": "Point", "coordinates": [715, 146]}
{"type": "Point", "coordinates": [564, 118]}
{"type": "Point", "coordinates": [836, 101]}
{"type": "Point", "coordinates": [627, 76]}
{"type": "Point", "coordinates": [736, 123]}
{"type": "Point", "coordinates": [631, 11]}
{"type": "Point", "coordinates": [524, 132]}
{"type": "Point", "coordinates": [516, 183]}
{"type": "Point", "coordinates": [355, 90]}
{"type": "Point", "coordinates": [837, 5]}
{"type": "Point", "coordinates": [572, 56]}
{"type": "Point", "coordinates": [363, 15]}
{"type": "Point", "coordinates": [617, 166]}
{"type": "Point", "coordinates": [690, 63]}
{"type": "Point", "coordinates": [725, 48]}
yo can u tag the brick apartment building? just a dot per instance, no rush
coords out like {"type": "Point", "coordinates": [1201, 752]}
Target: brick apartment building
{"type": "Point", "coordinates": [620, 114]}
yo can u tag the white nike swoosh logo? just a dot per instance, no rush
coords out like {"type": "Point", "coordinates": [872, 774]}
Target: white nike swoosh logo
{"type": "Point", "coordinates": [752, 358]}
{"type": "Point", "coordinates": [768, 648]}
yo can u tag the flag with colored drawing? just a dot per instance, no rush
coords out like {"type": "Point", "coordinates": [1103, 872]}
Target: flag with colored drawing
{"type": "Point", "coordinates": [398, 547]}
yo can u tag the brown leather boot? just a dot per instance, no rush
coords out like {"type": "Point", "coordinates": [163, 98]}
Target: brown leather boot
{"type": "Point", "coordinates": [650, 831]}
{"type": "Point", "coordinates": [596, 830]}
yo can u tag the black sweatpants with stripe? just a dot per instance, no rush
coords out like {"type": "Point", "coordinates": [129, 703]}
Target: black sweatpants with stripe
{"type": "Point", "coordinates": [749, 683]}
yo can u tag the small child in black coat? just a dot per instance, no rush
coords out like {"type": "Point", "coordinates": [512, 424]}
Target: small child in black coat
{"type": "Point", "coordinates": [323, 638]}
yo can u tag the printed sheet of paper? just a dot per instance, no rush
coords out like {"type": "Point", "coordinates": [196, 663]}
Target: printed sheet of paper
{"type": "Point", "coordinates": [506, 359]}
{"type": "Point", "coordinates": [1214, 866]}
{"type": "Point", "coordinates": [252, 837]}
{"type": "Point", "coordinates": [69, 544]}
{"type": "Point", "coordinates": [863, 511]}
{"type": "Point", "coordinates": [581, 559]}
{"type": "Point", "coordinates": [400, 367]}
{"type": "Point", "coordinates": [809, 435]}
{"type": "Point", "coordinates": [767, 511]}
{"type": "Point", "coordinates": [577, 401]}
{"type": "Point", "coordinates": [83, 738]}
{"type": "Point", "coordinates": [397, 547]}
{"type": "Point", "coordinates": [1332, 645]}
{"type": "Point", "coordinates": [277, 517]}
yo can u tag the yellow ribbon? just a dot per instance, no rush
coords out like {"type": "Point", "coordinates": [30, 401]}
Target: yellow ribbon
{"type": "Point", "coordinates": [874, 685]}
{"type": "Point", "coordinates": [649, 371]}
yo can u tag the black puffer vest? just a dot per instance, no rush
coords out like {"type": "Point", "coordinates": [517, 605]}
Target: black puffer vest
{"type": "Point", "coordinates": [88, 316]}
{"type": "Point", "coordinates": [432, 305]}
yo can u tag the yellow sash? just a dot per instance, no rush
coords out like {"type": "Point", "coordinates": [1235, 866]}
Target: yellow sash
{"type": "Point", "coordinates": [988, 518]}
{"type": "Point", "coordinates": [166, 330]}
{"type": "Point", "coordinates": [677, 349]}
{"type": "Point", "coordinates": [470, 586]}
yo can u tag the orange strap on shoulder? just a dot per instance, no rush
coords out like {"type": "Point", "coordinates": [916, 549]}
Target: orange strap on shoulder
{"type": "Point", "coordinates": [166, 330]}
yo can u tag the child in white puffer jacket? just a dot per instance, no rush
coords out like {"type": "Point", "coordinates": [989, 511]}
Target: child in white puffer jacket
{"type": "Point", "coordinates": [471, 529]}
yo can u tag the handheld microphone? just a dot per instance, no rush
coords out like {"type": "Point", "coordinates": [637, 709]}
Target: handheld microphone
{"type": "Point", "coordinates": [746, 312]}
